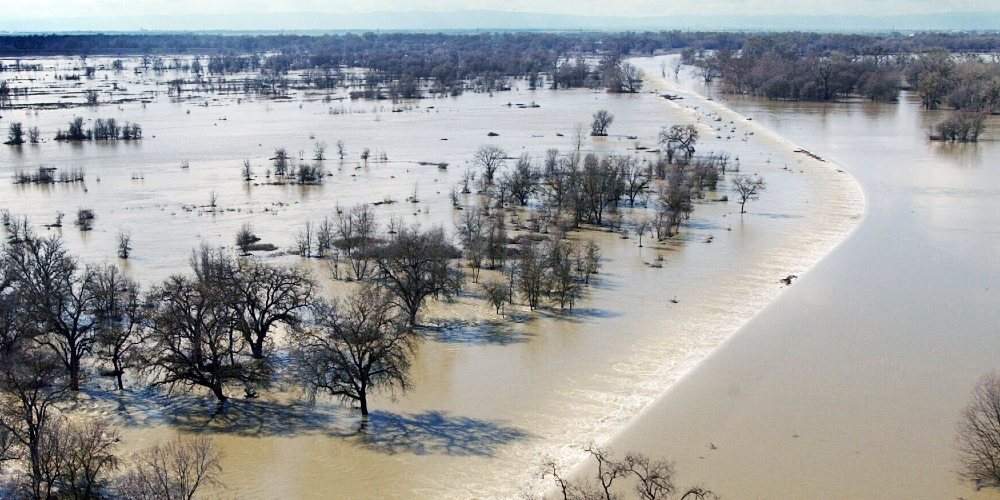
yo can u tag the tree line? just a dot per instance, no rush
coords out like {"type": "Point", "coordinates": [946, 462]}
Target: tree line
{"type": "Point", "coordinates": [54, 316]}
{"type": "Point", "coordinates": [969, 85]}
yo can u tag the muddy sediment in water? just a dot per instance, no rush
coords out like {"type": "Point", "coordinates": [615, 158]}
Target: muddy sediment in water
{"type": "Point", "coordinates": [851, 384]}
{"type": "Point", "coordinates": [493, 397]}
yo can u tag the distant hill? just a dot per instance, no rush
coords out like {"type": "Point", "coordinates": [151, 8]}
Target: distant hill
{"type": "Point", "coordinates": [502, 20]}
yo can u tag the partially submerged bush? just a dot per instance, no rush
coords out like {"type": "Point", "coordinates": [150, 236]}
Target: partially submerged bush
{"type": "Point", "coordinates": [960, 127]}
{"type": "Point", "coordinates": [85, 219]}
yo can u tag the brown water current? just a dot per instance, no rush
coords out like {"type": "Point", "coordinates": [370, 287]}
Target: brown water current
{"type": "Point", "coordinates": [492, 399]}
{"type": "Point", "coordinates": [851, 384]}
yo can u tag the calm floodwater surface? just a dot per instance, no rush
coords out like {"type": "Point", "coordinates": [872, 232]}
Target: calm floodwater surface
{"type": "Point", "coordinates": [851, 384]}
{"type": "Point", "coordinates": [491, 400]}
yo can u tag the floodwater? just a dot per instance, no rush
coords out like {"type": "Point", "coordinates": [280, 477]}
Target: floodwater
{"type": "Point", "coordinates": [492, 398]}
{"type": "Point", "coordinates": [851, 384]}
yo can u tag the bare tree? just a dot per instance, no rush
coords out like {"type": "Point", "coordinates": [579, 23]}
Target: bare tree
{"type": "Point", "coordinates": [641, 228]}
{"type": "Point", "coordinates": [281, 161]}
{"type": "Point", "coordinates": [589, 260]}
{"type": "Point", "coordinates": [496, 293]}
{"type": "Point", "coordinates": [356, 230]}
{"type": "Point", "coordinates": [354, 348]}
{"type": "Point", "coordinates": [415, 265]}
{"type": "Point", "coordinates": [15, 134]}
{"type": "Point", "coordinates": [193, 342]}
{"type": "Point", "coordinates": [120, 314]}
{"type": "Point", "coordinates": [124, 244]}
{"type": "Point", "coordinates": [247, 171]}
{"type": "Point", "coordinates": [597, 189]}
{"type": "Point", "coordinates": [678, 139]}
{"type": "Point", "coordinates": [652, 480]}
{"type": "Point", "coordinates": [471, 230]}
{"type": "Point", "coordinates": [602, 120]}
{"type": "Point", "coordinates": [608, 471]}
{"type": "Point", "coordinates": [979, 434]}
{"type": "Point", "coordinates": [265, 296]}
{"type": "Point", "coordinates": [32, 382]}
{"type": "Point", "coordinates": [630, 78]}
{"type": "Point", "coordinates": [491, 159]}
{"type": "Point", "coordinates": [521, 181]}
{"type": "Point", "coordinates": [57, 295]}
{"type": "Point", "coordinates": [531, 272]}
{"type": "Point", "coordinates": [341, 151]}
{"type": "Point", "coordinates": [633, 177]}
{"type": "Point", "coordinates": [79, 457]}
{"type": "Point", "coordinates": [319, 151]}
{"type": "Point", "coordinates": [562, 284]}
{"type": "Point", "coordinates": [748, 187]}
{"type": "Point", "coordinates": [245, 238]}
{"type": "Point", "coordinates": [175, 470]}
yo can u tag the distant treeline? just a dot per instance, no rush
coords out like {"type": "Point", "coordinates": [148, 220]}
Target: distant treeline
{"type": "Point", "coordinates": [429, 50]}
{"type": "Point", "coordinates": [808, 66]}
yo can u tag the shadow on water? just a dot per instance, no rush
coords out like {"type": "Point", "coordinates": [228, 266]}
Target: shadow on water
{"type": "Point", "coordinates": [426, 433]}
{"type": "Point", "coordinates": [704, 225]}
{"type": "Point", "coordinates": [578, 314]}
{"type": "Point", "coordinates": [255, 418]}
{"type": "Point", "coordinates": [775, 216]}
{"type": "Point", "coordinates": [502, 331]}
{"type": "Point", "coordinates": [194, 413]}
{"type": "Point", "coordinates": [434, 433]}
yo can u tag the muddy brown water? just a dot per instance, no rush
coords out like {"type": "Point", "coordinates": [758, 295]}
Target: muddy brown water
{"type": "Point", "coordinates": [852, 383]}
{"type": "Point", "coordinates": [492, 398]}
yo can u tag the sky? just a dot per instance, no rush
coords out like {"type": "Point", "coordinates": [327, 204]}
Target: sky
{"type": "Point", "coordinates": [128, 15]}
{"type": "Point", "coordinates": [90, 8]}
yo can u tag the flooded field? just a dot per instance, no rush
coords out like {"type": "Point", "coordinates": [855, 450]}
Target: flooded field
{"type": "Point", "coordinates": [852, 384]}
{"type": "Point", "coordinates": [492, 398]}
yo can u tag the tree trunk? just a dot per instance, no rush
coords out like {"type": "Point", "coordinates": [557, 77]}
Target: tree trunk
{"type": "Point", "coordinates": [74, 374]}
{"type": "Point", "coordinates": [364, 403]}
{"type": "Point", "coordinates": [413, 316]}
{"type": "Point", "coordinates": [219, 393]}
{"type": "Point", "coordinates": [119, 370]}
{"type": "Point", "coordinates": [257, 348]}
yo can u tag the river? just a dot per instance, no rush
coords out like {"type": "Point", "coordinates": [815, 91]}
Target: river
{"type": "Point", "coordinates": [852, 383]}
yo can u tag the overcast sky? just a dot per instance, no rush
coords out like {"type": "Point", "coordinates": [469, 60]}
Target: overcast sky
{"type": "Point", "coordinates": [92, 8]}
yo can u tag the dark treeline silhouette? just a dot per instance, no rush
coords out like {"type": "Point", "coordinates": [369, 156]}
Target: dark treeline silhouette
{"type": "Point", "coordinates": [372, 46]}
{"type": "Point", "coordinates": [771, 68]}
{"type": "Point", "coordinates": [459, 56]}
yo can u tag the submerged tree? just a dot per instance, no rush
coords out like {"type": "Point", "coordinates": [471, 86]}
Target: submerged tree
{"type": "Point", "coordinates": [415, 265]}
{"type": "Point", "coordinates": [355, 347]}
{"type": "Point", "coordinates": [15, 134]}
{"type": "Point", "coordinates": [265, 296]}
{"type": "Point", "coordinates": [678, 139]}
{"type": "Point", "coordinates": [58, 298]}
{"type": "Point", "coordinates": [490, 159]}
{"type": "Point", "coordinates": [193, 342]}
{"type": "Point", "coordinates": [748, 188]}
{"type": "Point", "coordinates": [602, 120]}
{"type": "Point", "coordinates": [121, 315]}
